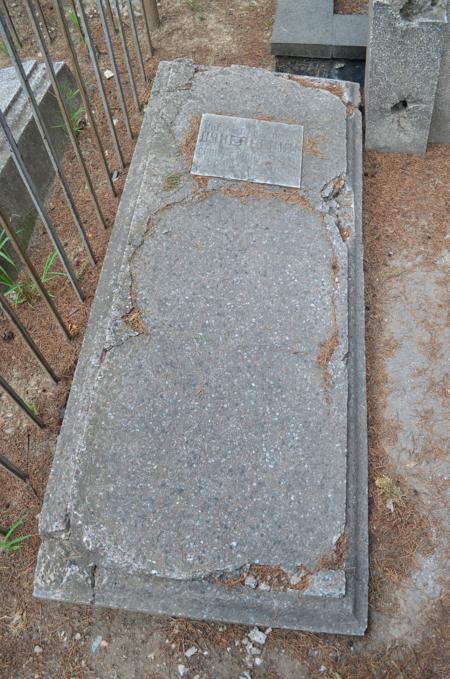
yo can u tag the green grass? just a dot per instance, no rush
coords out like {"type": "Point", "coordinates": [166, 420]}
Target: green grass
{"type": "Point", "coordinates": [9, 543]}
{"type": "Point", "coordinates": [76, 112]}
{"type": "Point", "coordinates": [31, 407]}
{"type": "Point", "coordinates": [390, 489]}
{"type": "Point", "coordinates": [74, 20]}
{"type": "Point", "coordinates": [195, 7]}
{"type": "Point", "coordinates": [23, 290]}
{"type": "Point", "coordinates": [3, 49]}
{"type": "Point", "coordinates": [5, 278]}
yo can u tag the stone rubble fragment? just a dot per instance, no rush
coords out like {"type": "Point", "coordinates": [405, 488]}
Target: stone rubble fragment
{"type": "Point", "coordinates": [250, 581]}
{"type": "Point", "coordinates": [257, 636]}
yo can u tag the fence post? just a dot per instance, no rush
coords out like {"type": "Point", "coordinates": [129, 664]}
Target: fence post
{"type": "Point", "coordinates": [151, 10]}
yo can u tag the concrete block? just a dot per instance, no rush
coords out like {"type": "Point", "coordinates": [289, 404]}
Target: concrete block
{"type": "Point", "coordinates": [217, 419]}
{"type": "Point", "coordinates": [349, 36]}
{"type": "Point", "coordinates": [406, 41]}
{"type": "Point", "coordinates": [309, 28]}
{"type": "Point", "coordinates": [440, 122]}
{"type": "Point", "coordinates": [14, 199]}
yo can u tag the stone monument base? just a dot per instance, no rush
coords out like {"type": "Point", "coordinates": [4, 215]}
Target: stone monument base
{"type": "Point", "coordinates": [15, 202]}
{"type": "Point", "coordinates": [310, 28]}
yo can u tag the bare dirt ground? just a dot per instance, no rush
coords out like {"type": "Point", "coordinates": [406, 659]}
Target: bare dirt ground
{"type": "Point", "coordinates": [406, 217]}
{"type": "Point", "coordinates": [351, 6]}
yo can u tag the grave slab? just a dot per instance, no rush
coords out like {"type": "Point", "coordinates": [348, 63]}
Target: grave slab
{"type": "Point", "coordinates": [309, 28]}
{"type": "Point", "coordinates": [213, 458]}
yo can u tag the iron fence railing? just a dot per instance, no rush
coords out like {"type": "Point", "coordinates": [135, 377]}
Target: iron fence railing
{"type": "Point", "coordinates": [121, 24]}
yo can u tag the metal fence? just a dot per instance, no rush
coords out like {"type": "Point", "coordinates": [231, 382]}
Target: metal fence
{"type": "Point", "coordinates": [126, 28]}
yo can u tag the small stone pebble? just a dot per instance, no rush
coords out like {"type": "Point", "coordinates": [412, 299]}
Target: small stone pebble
{"type": "Point", "coordinates": [181, 670]}
{"type": "Point", "coordinates": [77, 636]}
{"type": "Point", "coordinates": [258, 661]}
{"type": "Point", "coordinates": [191, 651]}
{"type": "Point", "coordinates": [108, 74]}
{"type": "Point", "coordinates": [257, 636]}
{"type": "Point", "coordinates": [37, 649]}
{"type": "Point", "coordinates": [250, 581]}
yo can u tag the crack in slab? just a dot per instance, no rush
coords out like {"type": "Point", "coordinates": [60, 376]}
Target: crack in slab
{"type": "Point", "coordinates": [93, 574]}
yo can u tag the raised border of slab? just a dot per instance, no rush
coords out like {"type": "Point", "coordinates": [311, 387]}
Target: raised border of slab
{"type": "Point", "coordinates": [63, 574]}
{"type": "Point", "coordinates": [309, 28]}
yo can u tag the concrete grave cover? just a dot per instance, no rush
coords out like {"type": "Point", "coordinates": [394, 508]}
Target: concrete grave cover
{"type": "Point", "coordinates": [213, 459]}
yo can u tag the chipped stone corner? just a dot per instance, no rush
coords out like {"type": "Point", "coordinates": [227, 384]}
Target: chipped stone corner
{"type": "Point", "coordinates": [326, 583]}
{"type": "Point", "coordinates": [62, 575]}
{"type": "Point", "coordinates": [348, 93]}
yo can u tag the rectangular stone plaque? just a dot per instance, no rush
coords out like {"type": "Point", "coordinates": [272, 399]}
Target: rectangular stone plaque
{"type": "Point", "coordinates": [258, 151]}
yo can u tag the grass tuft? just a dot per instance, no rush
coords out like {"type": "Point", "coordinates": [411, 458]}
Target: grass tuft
{"type": "Point", "coordinates": [196, 8]}
{"type": "Point", "coordinates": [9, 543]}
{"type": "Point", "coordinates": [390, 489]}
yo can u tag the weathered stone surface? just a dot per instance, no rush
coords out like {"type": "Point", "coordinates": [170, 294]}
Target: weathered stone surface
{"type": "Point", "coordinates": [440, 122]}
{"type": "Point", "coordinates": [14, 199]}
{"type": "Point", "coordinates": [404, 53]}
{"type": "Point", "coordinates": [258, 151]}
{"type": "Point", "coordinates": [217, 416]}
{"type": "Point", "coordinates": [309, 28]}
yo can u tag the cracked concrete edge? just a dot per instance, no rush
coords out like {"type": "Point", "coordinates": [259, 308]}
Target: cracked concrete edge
{"type": "Point", "coordinates": [63, 575]}
{"type": "Point", "coordinates": [69, 578]}
{"type": "Point", "coordinates": [54, 518]}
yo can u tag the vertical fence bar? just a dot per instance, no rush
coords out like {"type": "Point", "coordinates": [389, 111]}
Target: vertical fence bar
{"type": "Point", "coordinates": [43, 131]}
{"type": "Point", "coordinates": [151, 11]}
{"type": "Point", "coordinates": [126, 55]}
{"type": "Point", "coordinates": [4, 224]}
{"type": "Point", "coordinates": [75, 12]}
{"type": "Point", "coordinates": [7, 310]}
{"type": "Point", "coordinates": [112, 58]}
{"type": "Point", "coordinates": [111, 15]}
{"type": "Point", "coordinates": [21, 168]}
{"type": "Point", "coordinates": [101, 88]}
{"type": "Point", "coordinates": [62, 107]}
{"type": "Point", "coordinates": [147, 28]}
{"type": "Point", "coordinates": [43, 20]}
{"type": "Point", "coordinates": [81, 86]}
{"type": "Point", "coordinates": [9, 22]}
{"type": "Point", "coordinates": [20, 402]}
{"type": "Point", "coordinates": [12, 469]}
{"type": "Point", "coordinates": [137, 45]}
